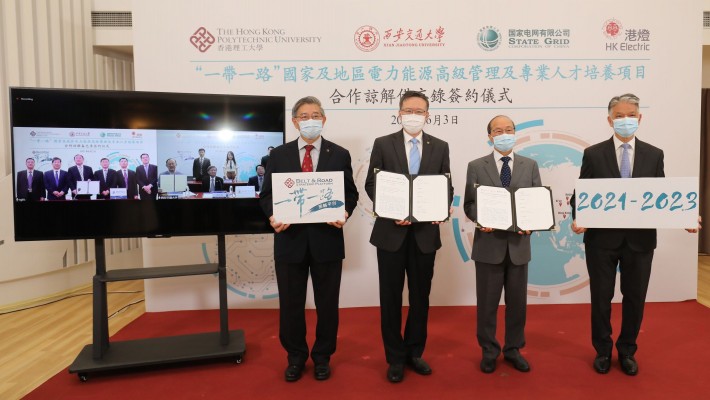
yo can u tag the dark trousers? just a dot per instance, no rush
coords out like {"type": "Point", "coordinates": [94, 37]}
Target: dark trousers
{"type": "Point", "coordinates": [419, 269]}
{"type": "Point", "coordinates": [491, 279]}
{"type": "Point", "coordinates": [292, 280]}
{"type": "Point", "coordinates": [635, 268]}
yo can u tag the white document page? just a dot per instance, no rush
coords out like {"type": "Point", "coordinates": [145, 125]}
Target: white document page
{"type": "Point", "coordinates": [533, 208]}
{"type": "Point", "coordinates": [494, 207]}
{"type": "Point", "coordinates": [391, 195]}
{"type": "Point", "coordinates": [87, 187]}
{"type": "Point", "coordinates": [430, 198]}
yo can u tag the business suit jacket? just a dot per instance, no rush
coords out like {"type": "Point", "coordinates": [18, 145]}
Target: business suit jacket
{"type": "Point", "coordinates": [52, 186]}
{"type": "Point", "coordinates": [37, 186]}
{"type": "Point", "coordinates": [74, 176]}
{"type": "Point", "coordinates": [198, 172]}
{"type": "Point", "coordinates": [389, 154]}
{"type": "Point", "coordinates": [324, 242]}
{"type": "Point", "coordinates": [131, 188]}
{"type": "Point", "coordinates": [218, 183]}
{"type": "Point", "coordinates": [254, 181]}
{"type": "Point", "coordinates": [599, 161]}
{"type": "Point", "coordinates": [491, 247]}
{"type": "Point", "coordinates": [150, 179]}
{"type": "Point", "coordinates": [105, 183]}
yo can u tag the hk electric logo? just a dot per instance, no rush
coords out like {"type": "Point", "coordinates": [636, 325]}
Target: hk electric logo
{"type": "Point", "coordinates": [202, 39]}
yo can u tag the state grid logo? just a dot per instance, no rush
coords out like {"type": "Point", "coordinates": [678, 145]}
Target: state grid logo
{"type": "Point", "coordinates": [557, 268]}
{"type": "Point", "coordinates": [489, 38]}
{"type": "Point", "coordinates": [367, 38]}
{"type": "Point", "coordinates": [202, 39]}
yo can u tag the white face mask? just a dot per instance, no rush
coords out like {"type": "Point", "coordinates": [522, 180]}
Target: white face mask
{"type": "Point", "coordinates": [413, 123]}
{"type": "Point", "coordinates": [311, 129]}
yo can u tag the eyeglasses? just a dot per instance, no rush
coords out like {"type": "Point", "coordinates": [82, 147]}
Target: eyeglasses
{"type": "Point", "coordinates": [499, 131]}
{"type": "Point", "coordinates": [409, 111]}
{"type": "Point", "coordinates": [306, 117]}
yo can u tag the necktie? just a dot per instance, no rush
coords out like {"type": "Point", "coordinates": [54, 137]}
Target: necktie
{"type": "Point", "coordinates": [29, 179]}
{"type": "Point", "coordinates": [414, 158]}
{"type": "Point", "coordinates": [625, 161]}
{"type": "Point", "coordinates": [505, 174]}
{"type": "Point", "coordinates": [212, 184]}
{"type": "Point", "coordinates": [125, 178]}
{"type": "Point", "coordinates": [260, 180]}
{"type": "Point", "coordinates": [307, 165]}
{"type": "Point", "coordinates": [56, 178]}
{"type": "Point", "coordinates": [105, 176]}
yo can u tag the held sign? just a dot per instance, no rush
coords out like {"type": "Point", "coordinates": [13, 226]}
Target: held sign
{"type": "Point", "coordinates": [637, 203]}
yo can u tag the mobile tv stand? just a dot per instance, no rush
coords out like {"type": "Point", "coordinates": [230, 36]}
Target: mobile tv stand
{"type": "Point", "coordinates": [104, 356]}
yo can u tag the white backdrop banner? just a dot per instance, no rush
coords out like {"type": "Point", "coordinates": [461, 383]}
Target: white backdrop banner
{"type": "Point", "coordinates": [552, 75]}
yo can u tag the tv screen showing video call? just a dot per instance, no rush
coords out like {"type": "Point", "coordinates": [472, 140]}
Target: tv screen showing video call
{"type": "Point", "coordinates": [156, 155]}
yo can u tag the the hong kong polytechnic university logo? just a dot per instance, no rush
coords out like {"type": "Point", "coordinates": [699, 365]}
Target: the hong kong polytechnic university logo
{"type": "Point", "coordinates": [202, 39]}
{"type": "Point", "coordinates": [367, 38]}
{"type": "Point", "coordinates": [289, 183]}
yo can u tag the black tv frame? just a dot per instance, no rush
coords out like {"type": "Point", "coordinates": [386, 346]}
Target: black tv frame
{"type": "Point", "coordinates": [88, 219]}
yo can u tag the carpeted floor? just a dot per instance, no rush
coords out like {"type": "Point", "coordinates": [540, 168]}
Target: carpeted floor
{"type": "Point", "coordinates": [673, 360]}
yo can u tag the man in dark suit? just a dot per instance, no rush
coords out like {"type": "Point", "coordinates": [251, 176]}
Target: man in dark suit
{"type": "Point", "coordinates": [404, 247]}
{"type": "Point", "coordinates": [257, 180]}
{"type": "Point", "coordinates": [56, 181]}
{"type": "Point", "coordinates": [126, 179]}
{"type": "Point", "coordinates": [621, 156]}
{"type": "Point", "coordinates": [106, 177]}
{"type": "Point", "coordinates": [317, 248]}
{"type": "Point", "coordinates": [79, 172]}
{"type": "Point", "coordinates": [30, 183]}
{"type": "Point", "coordinates": [147, 178]}
{"type": "Point", "coordinates": [265, 159]}
{"type": "Point", "coordinates": [200, 165]}
{"type": "Point", "coordinates": [211, 182]}
{"type": "Point", "coordinates": [501, 256]}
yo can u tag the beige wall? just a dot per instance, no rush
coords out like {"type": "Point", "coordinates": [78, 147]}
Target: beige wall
{"type": "Point", "coordinates": [50, 43]}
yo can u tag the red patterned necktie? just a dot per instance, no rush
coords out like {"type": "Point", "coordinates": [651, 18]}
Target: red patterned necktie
{"type": "Point", "coordinates": [307, 165]}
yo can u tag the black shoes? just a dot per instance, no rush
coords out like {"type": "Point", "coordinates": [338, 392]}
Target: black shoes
{"type": "Point", "coordinates": [321, 371]}
{"type": "Point", "coordinates": [293, 372]}
{"type": "Point", "coordinates": [488, 365]}
{"type": "Point", "coordinates": [395, 373]}
{"type": "Point", "coordinates": [419, 365]}
{"type": "Point", "coordinates": [629, 365]}
{"type": "Point", "coordinates": [519, 363]}
{"type": "Point", "coordinates": [602, 364]}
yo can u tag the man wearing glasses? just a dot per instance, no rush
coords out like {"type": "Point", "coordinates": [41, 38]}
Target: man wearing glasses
{"type": "Point", "coordinates": [317, 248]}
{"type": "Point", "coordinates": [403, 247]}
{"type": "Point", "coordinates": [501, 257]}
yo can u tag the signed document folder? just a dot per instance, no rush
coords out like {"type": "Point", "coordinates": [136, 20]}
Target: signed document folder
{"type": "Point", "coordinates": [417, 198]}
{"type": "Point", "coordinates": [515, 209]}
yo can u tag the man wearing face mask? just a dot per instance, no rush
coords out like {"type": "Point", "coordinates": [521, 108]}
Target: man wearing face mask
{"type": "Point", "coordinates": [501, 257]}
{"type": "Point", "coordinates": [316, 248]}
{"type": "Point", "coordinates": [403, 247]}
{"type": "Point", "coordinates": [621, 156]}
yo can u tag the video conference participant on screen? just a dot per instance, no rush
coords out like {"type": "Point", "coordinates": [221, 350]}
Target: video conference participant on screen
{"type": "Point", "coordinates": [79, 172]}
{"type": "Point", "coordinates": [30, 183]}
{"type": "Point", "coordinates": [258, 179]}
{"type": "Point", "coordinates": [56, 181]}
{"type": "Point", "coordinates": [211, 182]}
{"type": "Point", "coordinates": [200, 165]}
{"type": "Point", "coordinates": [126, 179]}
{"type": "Point", "coordinates": [171, 163]}
{"type": "Point", "coordinates": [147, 178]}
{"type": "Point", "coordinates": [106, 177]}
{"type": "Point", "coordinates": [265, 159]}
{"type": "Point", "coordinates": [230, 165]}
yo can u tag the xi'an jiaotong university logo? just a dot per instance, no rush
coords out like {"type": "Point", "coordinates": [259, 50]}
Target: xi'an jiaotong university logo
{"type": "Point", "coordinates": [202, 39]}
{"type": "Point", "coordinates": [367, 38]}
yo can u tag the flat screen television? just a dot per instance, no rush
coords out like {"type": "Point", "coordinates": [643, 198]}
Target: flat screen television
{"type": "Point", "coordinates": [57, 133]}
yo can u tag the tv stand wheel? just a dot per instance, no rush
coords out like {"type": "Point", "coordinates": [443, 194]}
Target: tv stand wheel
{"type": "Point", "coordinates": [83, 376]}
{"type": "Point", "coordinates": [238, 359]}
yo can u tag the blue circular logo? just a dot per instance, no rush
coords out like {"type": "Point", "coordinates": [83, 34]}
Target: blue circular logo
{"type": "Point", "coordinates": [488, 38]}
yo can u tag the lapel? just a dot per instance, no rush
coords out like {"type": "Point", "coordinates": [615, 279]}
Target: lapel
{"type": "Point", "coordinates": [427, 151]}
{"type": "Point", "coordinates": [293, 161]}
{"type": "Point", "coordinates": [491, 168]}
{"type": "Point", "coordinates": [324, 156]}
{"type": "Point", "coordinates": [609, 153]}
{"type": "Point", "coordinates": [397, 142]}
{"type": "Point", "coordinates": [518, 165]}
{"type": "Point", "coordinates": [639, 158]}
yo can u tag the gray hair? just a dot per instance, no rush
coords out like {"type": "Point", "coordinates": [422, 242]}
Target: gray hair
{"type": "Point", "coordinates": [624, 98]}
{"type": "Point", "coordinates": [306, 100]}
